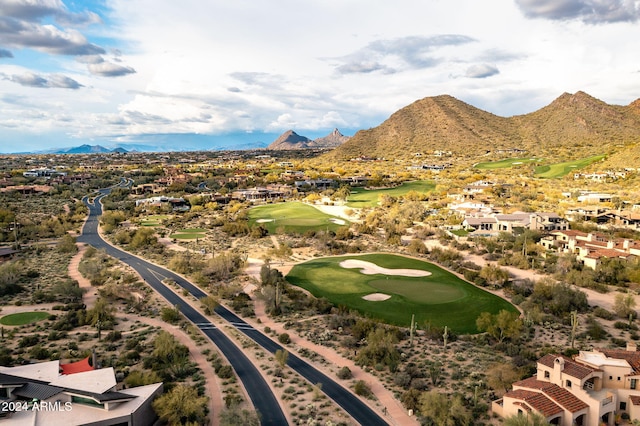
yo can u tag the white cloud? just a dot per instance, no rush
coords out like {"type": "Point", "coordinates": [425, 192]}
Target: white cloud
{"type": "Point", "coordinates": [216, 67]}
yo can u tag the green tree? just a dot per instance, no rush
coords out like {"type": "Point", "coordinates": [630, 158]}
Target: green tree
{"type": "Point", "coordinates": [501, 376]}
{"type": "Point", "coordinates": [181, 406]}
{"type": "Point", "coordinates": [494, 275]}
{"type": "Point", "coordinates": [503, 325]}
{"type": "Point", "coordinates": [281, 356]}
{"type": "Point", "coordinates": [101, 315]}
{"type": "Point", "coordinates": [624, 305]}
{"type": "Point", "coordinates": [67, 244]}
{"type": "Point", "coordinates": [144, 237]}
{"type": "Point", "coordinates": [209, 304]}
{"type": "Point", "coordinates": [438, 409]}
{"type": "Point", "coordinates": [380, 349]}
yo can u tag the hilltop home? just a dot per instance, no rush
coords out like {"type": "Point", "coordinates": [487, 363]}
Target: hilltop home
{"type": "Point", "coordinates": [493, 224]}
{"type": "Point", "coordinates": [591, 248]}
{"type": "Point", "coordinates": [592, 389]}
{"type": "Point", "coordinates": [51, 394]}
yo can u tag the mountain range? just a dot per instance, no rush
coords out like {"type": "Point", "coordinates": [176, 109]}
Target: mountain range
{"type": "Point", "coordinates": [292, 140]}
{"type": "Point", "coordinates": [577, 123]}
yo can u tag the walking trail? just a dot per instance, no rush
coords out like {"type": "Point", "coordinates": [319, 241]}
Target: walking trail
{"type": "Point", "coordinates": [213, 387]}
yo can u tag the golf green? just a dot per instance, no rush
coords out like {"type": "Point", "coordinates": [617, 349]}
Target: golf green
{"type": "Point", "coordinates": [23, 318]}
{"type": "Point", "coordinates": [293, 217]}
{"type": "Point", "coordinates": [438, 299]}
{"type": "Point", "coordinates": [370, 197]}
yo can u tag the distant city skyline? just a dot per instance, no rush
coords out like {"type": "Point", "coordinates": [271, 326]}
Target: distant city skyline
{"type": "Point", "coordinates": [202, 75]}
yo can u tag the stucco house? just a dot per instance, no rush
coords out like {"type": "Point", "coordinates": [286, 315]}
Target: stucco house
{"type": "Point", "coordinates": [590, 248]}
{"type": "Point", "coordinates": [593, 388]}
{"type": "Point", "coordinates": [493, 224]}
{"type": "Point", "coordinates": [48, 394]}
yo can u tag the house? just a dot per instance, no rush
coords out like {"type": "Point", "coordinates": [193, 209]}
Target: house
{"type": "Point", "coordinates": [493, 224]}
{"type": "Point", "coordinates": [590, 248]}
{"type": "Point", "coordinates": [40, 395]}
{"type": "Point", "coordinates": [177, 204]}
{"type": "Point", "coordinates": [591, 389]}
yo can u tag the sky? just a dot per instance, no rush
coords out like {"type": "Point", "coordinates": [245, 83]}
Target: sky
{"type": "Point", "coordinates": [194, 74]}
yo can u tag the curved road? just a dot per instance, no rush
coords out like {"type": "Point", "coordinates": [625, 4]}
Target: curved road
{"type": "Point", "coordinates": [258, 390]}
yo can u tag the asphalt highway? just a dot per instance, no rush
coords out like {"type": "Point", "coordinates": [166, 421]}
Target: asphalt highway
{"type": "Point", "coordinates": [259, 392]}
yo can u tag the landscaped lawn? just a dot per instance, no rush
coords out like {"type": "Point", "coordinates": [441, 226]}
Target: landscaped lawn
{"type": "Point", "coordinates": [506, 163]}
{"type": "Point", "coordinates": [440, 299]}
{"type": "Point", "coordinates": [293, 217]}
{"type": "Point", "coordinates": [153, 220]}
{"type": "Point", "coordinates": [189, 234]}
{"type": "Point", "coordinates": [23, 318]}
{"type": "Point", "coordinates": [558, 170]}
{"type": "Point", "coordinates": [361, 197]}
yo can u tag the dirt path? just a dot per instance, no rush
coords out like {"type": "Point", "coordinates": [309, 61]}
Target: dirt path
{"type": "Point", "coordinates": [91, 295]}
{"type": "Point", "coordinates": [386, 403]}
{"type": "Point", "coordinates": [212, 384]}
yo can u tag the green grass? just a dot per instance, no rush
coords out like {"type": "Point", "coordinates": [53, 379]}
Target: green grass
{"type": "Point", "coordinates": [154, 220]}
{"type": "Point", "coordinates": [369, 197]}
{"type": "Point", "coordinates": [189, 234]}
{"type": "Point", "coordinates": [439, 299]}
{"type": "Point", "coordinates": [293, 217]}
{"type": "Point", "coordinates": [558, 170]}
{"type": "Point", "coordinates": [506, 163]}
{"type": "Point", "coordinates": [23, 318]}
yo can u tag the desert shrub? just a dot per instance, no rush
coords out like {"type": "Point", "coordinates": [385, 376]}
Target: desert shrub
{"type": "Point", "coordinates": [362, 388]}
{"type": "Point", "coordinates": [344, 373]}
{"type": "Point", "coordinates": [284, 338]}
{"type": "Point", "coordinates": [225, 372]}
{"type": "Point", "coordinates": [603, 313]}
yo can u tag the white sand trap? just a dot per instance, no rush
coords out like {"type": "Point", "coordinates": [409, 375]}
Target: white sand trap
{"type": "Point", "coordinates": [376, 297]}
{"type": "Point", "coordinates": [369, 268]}
{"type": "Point", "coordinates": [516, 162]}
{"type": "Point", "coordinates": [264, 220]}
{"type": "Point", "coordinates": [337, 221]}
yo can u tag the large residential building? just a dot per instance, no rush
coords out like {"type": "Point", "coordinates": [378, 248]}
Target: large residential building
{"type": "Point", "coordinates": [493, 224]}
{"type": "Point", "coordinates": [51, 394]}
{"type": "Point", "coordinates": [590, 248]}
{"type": "Point", "coordinates": [592, 389]}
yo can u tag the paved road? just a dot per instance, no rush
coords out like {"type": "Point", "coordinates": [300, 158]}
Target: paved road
{"type": "Point", "coordinates": [259, 392]}
{"type": "Point", "coordinates": [154, 274]}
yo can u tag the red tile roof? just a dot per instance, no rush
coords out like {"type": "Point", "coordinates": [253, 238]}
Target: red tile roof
{"type": "Point", "coordinates": [535, 400]}
{"type": "Point", "coordinates": [560, 395]}
{"type": "Point", "coordinates": [571, 368]}
{"type": "Point", "coordinates": [635, 400]}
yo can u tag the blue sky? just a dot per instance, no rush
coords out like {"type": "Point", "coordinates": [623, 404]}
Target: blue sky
{"type": "Point", "coordinates": [200, 74]}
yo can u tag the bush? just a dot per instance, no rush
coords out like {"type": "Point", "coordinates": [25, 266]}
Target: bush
{"type": "Point", "coordinates": [284, 338]}
{"type": "Point", "coordinates": [225, 372]}
{"type": "Point", "coordinates": [603, 313]}
{"type": "Point", "coordinates": [344, 373]}
{"type": "Point", "coordinates": [362, 388]}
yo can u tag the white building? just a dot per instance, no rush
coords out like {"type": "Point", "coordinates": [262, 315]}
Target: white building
{"type": "Point", "coordinates": [39, 395]}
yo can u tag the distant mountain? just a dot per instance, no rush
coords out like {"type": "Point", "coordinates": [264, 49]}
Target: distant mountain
{"type": "Point", "coordinates": [85, 149]}
{"type": "Point", "coordinates": [292, 140]}
{"type": "Point", "coordinates": [333, 139]}
{"type": "Point", "coordinates": [575, 122]}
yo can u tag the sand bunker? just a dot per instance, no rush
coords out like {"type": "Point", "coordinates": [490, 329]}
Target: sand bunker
{"type": "Point", "coordinates": [337, 221]}
{"type": "Point", "coordinates": [369, 268]}
{"type": "Point", "coordinates": [376, 297]}
{"type": "Point", "coordinates": [264, 220]}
